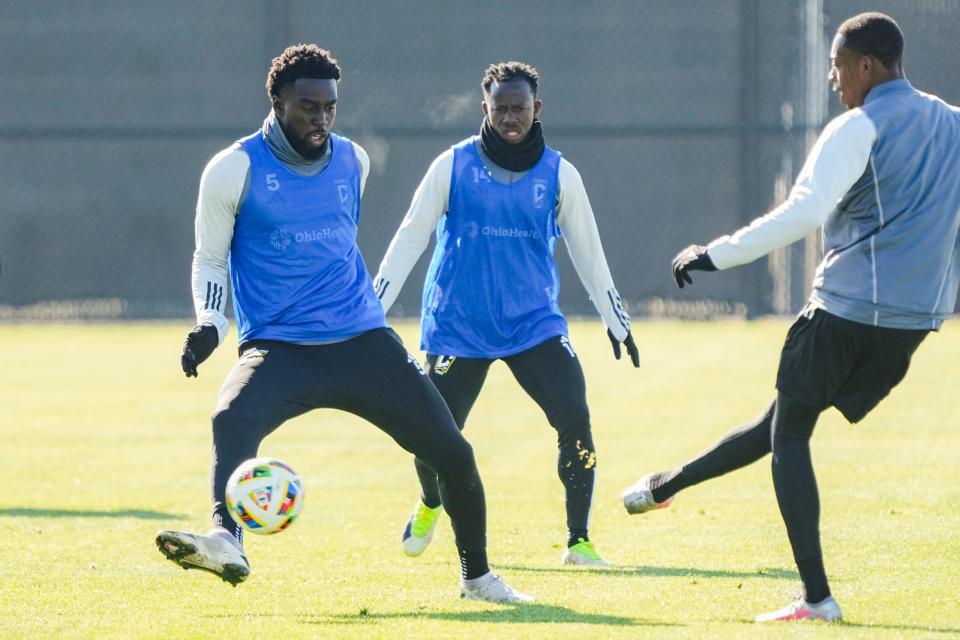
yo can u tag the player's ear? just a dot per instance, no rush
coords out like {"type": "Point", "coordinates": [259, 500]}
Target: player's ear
{"type": "Point", "coordinates": [536, 108]}
{"type": "Point", "coordinates": [484, 107]}
{"type": "Point", "coordinates": [277, 106]}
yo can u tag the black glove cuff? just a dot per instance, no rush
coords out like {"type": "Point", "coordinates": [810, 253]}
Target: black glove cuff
{"type": "Point", "coordinates": [703, 262]}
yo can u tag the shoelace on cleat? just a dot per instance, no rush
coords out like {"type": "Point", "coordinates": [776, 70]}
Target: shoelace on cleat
{"type": "Point", "coordinates": [424, 520]}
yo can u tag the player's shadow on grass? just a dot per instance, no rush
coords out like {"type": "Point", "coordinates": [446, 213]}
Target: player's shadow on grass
{"type": "Point", "coordinates": [666, 572]}
{"type": "Point", "coordinates": [79, 513]}
{"type": "Point", "coordinates": [525, 613]}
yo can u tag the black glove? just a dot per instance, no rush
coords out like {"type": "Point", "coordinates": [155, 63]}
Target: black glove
{"type": "Point", "coordinates": [693, 258]}
{"type": "Point", "coordinates": [198, 346]}
{"type": "Point", "coordinates": [629, 344]}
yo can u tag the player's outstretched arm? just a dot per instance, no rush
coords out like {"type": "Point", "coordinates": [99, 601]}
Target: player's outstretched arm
{"type": "Point", "coordinates": [837, 160]}
{"type": "Point", "coordinates": [579, 229]}
{"type": "Point", "coordinates": [430, 202]}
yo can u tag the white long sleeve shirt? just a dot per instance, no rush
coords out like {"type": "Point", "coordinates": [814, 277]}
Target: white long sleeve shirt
{"type": "Point", "coordinates": [574, 217]}
{"type": "Point", "coordinates": [835, 163]}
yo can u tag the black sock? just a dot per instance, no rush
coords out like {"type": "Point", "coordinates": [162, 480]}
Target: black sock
{"type": "Point", "coordinates": [429, 488]}
{"type": "Point", "coordinates": [814, 576]}
{"type": "Point", "coordinates": [473, 564]}
{"type": "Point", "coordinates": [431, 502]}
{"type": "Point", "coordinates": [576, 535]}
{"type": "Point", "coordinates": [221, 518]}
{"type": "Point", "coordinates": [662, 485]}
{"type": "Point", "coordinates": [738, 448]}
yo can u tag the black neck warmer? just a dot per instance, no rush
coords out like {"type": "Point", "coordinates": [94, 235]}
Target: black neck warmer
{"type": "Point", "coordinates": [513, 157]}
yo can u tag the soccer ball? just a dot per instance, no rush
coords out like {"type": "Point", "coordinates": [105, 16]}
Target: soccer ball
{"type": "Point", "coordinates": [264, 495]}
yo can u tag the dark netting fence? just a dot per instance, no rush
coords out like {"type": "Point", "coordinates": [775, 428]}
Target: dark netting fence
{"type": "Point", "coordinates": [686, 120]}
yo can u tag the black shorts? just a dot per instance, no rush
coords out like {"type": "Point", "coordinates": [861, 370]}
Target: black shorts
{"type": "Point", "coordinates": [828, 361]}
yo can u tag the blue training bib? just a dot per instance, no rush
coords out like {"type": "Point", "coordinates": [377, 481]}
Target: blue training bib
{"type": "Point", "coordinates": [296, 271]}
{"type": "Point", "coordinates": [491, 290]}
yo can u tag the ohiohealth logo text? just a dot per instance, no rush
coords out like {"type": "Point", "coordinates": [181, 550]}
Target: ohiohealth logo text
{"type": "Point", "coordinates": [509, 232]}
{"type": "Point", "coordinates": [318, 234]}
{"type": "Point", "coordinates": [281, 238]}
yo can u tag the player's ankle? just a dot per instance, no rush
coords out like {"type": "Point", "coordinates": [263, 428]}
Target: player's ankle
{"type": "Point", "coordinates": [576, 536]}
{"type": "Point", "coordinates": [473, 564]}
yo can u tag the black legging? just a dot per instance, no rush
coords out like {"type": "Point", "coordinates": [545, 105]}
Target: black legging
{"type": "Point", "coordinates": [742, 446]}
{"type": "Point", "coordinates": [785, 429]}
{"type": "Point", "coordinates": [371, 376]}
{"type": "Point", "coordinates": [796, 487]}
{"type": "Point", "coordinates": [551, 375]}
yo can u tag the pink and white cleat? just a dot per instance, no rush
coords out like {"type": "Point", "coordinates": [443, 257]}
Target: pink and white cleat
{"type": "Point", "coordinates": [800, 609]}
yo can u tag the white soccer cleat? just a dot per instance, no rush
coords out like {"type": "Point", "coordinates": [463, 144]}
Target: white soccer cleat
{"type": "Point", "coordinates": [492, 588]}
{"type": "Point", "coordinates": [638, 498]}
{"type": "Point", "coordinates": [827, 610]}
{"type": "Point", "coordinates": [215, 551]}
{"type": "Point", "coordinates": [420, 528]}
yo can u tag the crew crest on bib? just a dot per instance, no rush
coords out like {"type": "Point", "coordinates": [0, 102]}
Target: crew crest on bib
{"type": "Point", "coordinates": [492, 286]}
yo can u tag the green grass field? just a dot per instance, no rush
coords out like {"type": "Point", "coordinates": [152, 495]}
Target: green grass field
{"type": "Point", "coordinates": [104, 442]}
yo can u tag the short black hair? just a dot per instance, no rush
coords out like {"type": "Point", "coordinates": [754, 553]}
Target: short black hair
{"type": "Point", "coordinates": [874, 34]}
{"type": "Point", "coordinates": [301, 61]}
{"type": "Point", "coordinates": [506, 71]}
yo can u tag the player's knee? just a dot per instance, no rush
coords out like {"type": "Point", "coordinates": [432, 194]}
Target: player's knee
{"type": "Point", "coordinates": [462, 454]}
{"type": "Point", "coordinates": [223, 421]}
{"type": "Point", "coordinates": [457, 457]}
{"type": "Point", "coordinates": [573, 424]}
{"type": "Point", "coordinates": [793, 420]}
{"type": "Point", "coordinates": [233, 420]}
